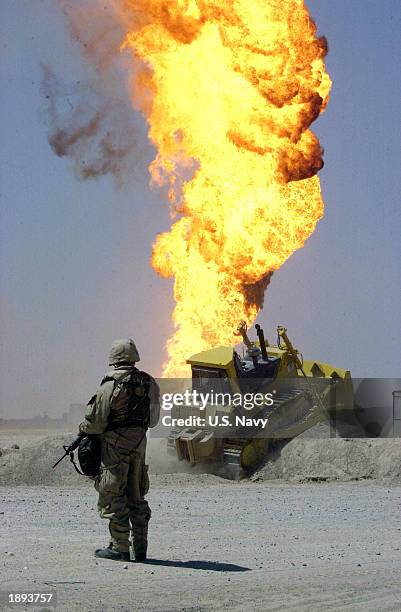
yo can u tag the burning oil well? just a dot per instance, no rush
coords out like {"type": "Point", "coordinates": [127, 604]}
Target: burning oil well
{"type": "Point", "coordinates": [229, 90]}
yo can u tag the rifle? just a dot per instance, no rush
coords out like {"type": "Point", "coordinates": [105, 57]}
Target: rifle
{"type": "Point", "coordinates": [69, 451]}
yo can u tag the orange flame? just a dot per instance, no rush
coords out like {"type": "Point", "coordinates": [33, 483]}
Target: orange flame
{"type": "Point", "coordinates": [229, 89]}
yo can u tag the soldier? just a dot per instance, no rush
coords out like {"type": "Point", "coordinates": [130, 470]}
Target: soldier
{"type": "Point", "coordinates": [126, 404]}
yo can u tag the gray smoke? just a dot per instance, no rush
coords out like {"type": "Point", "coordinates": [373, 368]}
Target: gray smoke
{"type": "Point", "coordinates": [97, 132]}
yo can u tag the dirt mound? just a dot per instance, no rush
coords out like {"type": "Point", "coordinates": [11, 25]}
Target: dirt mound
{"type": "Point", "coordinates": [318, 459]}
{"type": "Point", "coordinates": [313, 456]}
{"type": "Point", "coordinates": [31, 463]}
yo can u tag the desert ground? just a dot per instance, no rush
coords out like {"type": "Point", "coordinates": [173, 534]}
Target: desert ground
{"type": "Point", "coordinates": [295, 537]}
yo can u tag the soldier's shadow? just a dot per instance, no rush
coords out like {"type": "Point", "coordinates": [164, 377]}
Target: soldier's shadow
{"type": "Point", "coordinates": [213, 566]}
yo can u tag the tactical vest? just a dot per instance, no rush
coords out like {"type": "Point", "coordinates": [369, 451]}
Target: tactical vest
{"type": "Point", "coordinates": [130, 402]}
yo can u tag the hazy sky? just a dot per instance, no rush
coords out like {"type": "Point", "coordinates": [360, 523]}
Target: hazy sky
{"type": "Point", "coordinates": [75, 270]}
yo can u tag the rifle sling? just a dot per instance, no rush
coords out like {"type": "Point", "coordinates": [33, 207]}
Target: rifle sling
{"type": "Point", "coordinates": [75, 465]}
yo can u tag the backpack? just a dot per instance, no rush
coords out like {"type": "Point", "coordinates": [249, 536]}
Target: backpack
{"type": "Point", "coordinates": [130, 401]}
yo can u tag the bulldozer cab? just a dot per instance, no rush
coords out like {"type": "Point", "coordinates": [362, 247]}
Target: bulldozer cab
{"type": "Point", "coordinates": [223, 370]}
{"type": "Point", "coordinates": [206, 378]}
{"type": "Point", "coordinates": [213, 370]}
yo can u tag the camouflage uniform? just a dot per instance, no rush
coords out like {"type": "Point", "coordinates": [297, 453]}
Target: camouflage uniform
{"type": "Point", "coordinates": [123, 480]}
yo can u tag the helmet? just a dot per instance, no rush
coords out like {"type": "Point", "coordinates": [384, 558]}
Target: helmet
{"type": "Point", "coordinates": [123, 351]}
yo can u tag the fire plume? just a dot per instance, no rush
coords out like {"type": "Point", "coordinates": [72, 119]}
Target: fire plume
{"type": "Point", "coordinates": [229, 89]}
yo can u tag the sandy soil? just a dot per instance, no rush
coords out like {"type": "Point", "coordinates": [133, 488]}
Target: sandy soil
{"type": "Point", "coordinates": [215, 545]}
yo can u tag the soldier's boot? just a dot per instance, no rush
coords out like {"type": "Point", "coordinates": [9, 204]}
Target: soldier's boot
{"type": "Point", "coordinates": [140, 545]}
{"type": "Point", "coordinates": [140, 549]}
{"type": "Point", "coordinates": [111, 553]}
{"type": "Point", "coordinates": [139, 519]}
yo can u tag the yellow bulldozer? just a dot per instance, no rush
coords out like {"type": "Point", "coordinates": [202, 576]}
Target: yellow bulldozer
{"type": "Point", "coordinates": [268, 393]}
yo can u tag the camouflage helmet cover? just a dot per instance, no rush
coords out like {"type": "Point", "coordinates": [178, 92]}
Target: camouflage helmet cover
{"type": "Point", "coordinates": [123, 351]}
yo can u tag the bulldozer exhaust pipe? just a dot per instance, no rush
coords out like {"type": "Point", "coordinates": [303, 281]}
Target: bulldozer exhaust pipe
{"type": "Point", "coordinates": [262, 342]}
